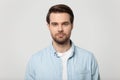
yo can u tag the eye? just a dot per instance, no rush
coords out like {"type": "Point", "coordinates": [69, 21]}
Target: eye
{"type": "Point", "coordinates": [54, 24]}
{"type": "Point", "coordinates": [66, 23]}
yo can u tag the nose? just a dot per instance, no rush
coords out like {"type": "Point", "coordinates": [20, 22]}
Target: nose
{"type": "Point", "coordinates": [60, 28]}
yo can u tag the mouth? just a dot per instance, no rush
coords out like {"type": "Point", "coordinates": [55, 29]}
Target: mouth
{"type": "Point", "coordinates": [60, 35]}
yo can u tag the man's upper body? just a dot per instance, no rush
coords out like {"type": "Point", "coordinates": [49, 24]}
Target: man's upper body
{"type": "Point", "coordinates": [62, 60]}
{"type": "Point", "coordinates": [47, 65]}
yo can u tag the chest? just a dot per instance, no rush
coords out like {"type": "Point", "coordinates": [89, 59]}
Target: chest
{"type": "Point", "coordinates": [51, 69]}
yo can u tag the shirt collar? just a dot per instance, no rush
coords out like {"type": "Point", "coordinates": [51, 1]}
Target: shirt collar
{"type": "Point", "coordinates": [53, 51]}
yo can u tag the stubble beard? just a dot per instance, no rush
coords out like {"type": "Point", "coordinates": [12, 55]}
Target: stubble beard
{"type": "Point", "coordinates": [62, 40]}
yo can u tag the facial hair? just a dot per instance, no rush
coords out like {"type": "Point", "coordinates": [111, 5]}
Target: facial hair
{"type": "Point", "coordinates": [61, 38]}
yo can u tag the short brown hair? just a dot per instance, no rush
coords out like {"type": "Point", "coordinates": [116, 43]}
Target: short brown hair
{"type": "Point", "coordinates": [60, 8]}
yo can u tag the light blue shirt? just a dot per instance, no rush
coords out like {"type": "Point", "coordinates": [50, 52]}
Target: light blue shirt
{"type": "Point", "coordinates": [47, 65]}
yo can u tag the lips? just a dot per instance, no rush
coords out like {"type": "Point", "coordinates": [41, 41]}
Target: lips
{"type": "Point", "coordinates": [60, 35]}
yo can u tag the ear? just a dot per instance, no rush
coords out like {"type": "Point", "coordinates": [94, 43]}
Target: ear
{"type": "Point", "coordinates": [72, 26]}
{"type": "Point", "coordinates": [48, 26]}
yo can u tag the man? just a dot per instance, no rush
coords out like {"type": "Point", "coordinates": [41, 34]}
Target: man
{"type": "Point", "coordinates": [62, 60]}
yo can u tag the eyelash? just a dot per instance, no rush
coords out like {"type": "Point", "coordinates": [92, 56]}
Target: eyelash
{"type": "Point", "coordinates": [55, 24]}
{"type": "Point", "coordinates": [66, 24]}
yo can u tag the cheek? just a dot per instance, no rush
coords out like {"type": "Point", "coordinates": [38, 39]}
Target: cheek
{"type": "Point", "coordinates": [53, 32]}
{"type": "Point", "coordinates": [68, 31]}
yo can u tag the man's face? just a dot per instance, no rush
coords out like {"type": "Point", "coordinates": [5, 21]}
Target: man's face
{"type": "Point", "coordinates": [60, 27]}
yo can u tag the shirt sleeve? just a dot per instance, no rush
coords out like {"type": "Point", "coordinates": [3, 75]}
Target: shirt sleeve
{"type": "Point", "coordinates": [95, 69]}
{"type": "Point", "coordinates": [29, 74]}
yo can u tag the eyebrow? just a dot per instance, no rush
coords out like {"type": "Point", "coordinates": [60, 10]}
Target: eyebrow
{"type": "Point", "coordinates": [65, 22]}
{"type": "Point", "coordinates": [61, 22]}
{"type": "Point", "coordinates": [54, 23]}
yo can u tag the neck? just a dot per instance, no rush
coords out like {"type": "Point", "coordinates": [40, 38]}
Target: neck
{"type": "Point", "coordinates": [62, 47]}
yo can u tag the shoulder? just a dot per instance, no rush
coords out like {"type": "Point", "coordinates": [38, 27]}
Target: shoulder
{"type": "Point", "coordinates": [38, 55]}
{"type": "Point", "coordinates": [83, 52]}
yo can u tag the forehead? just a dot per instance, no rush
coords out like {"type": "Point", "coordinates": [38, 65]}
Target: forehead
{"type": "Point", "coordinates": [59, 17]}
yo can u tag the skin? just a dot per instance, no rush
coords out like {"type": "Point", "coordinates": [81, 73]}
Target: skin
{"type": "Point", "coordinates": [60, 28]}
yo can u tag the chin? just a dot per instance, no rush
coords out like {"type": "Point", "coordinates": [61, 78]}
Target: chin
{"type": "Point", "coordinates": [61, 41]}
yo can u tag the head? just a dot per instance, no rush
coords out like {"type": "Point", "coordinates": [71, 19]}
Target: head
{"type": "Point", "coordinates": [60, 23]}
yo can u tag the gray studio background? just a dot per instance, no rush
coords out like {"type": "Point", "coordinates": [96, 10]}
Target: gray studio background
{"type": "Point", "coordinates": [23, 32]}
